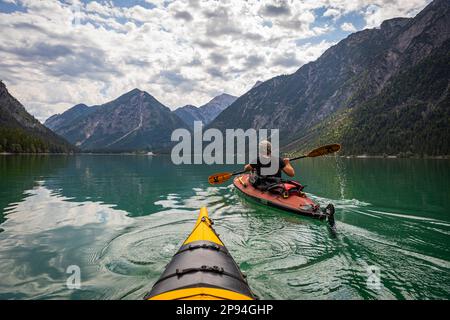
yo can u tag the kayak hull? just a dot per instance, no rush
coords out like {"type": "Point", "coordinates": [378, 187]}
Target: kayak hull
{"type": "Point", "coordinates": [301, 205]}
{"type": "Point", "coordinates": [202, 269]}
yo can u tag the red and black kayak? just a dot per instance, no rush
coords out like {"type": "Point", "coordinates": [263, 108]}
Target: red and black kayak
{"type": "Point", "coordinates": [287, 196]}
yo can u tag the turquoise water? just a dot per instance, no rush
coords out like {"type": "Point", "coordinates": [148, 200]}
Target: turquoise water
{"type": "Point", "coordinates": [121, 218]}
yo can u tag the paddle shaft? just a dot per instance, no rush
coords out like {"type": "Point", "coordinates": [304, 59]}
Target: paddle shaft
{"type": "Point", "coordinates": [238, 172]}
{"type": "Point", "coordinates": [296, 158]}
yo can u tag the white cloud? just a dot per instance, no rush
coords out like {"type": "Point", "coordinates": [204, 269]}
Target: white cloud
{"type": "Point", "coordinates": [331, 12]}
{"type": "Point", "coordinates": [348, 27]}
{"type": "Point", "coordinates": [377, 12]}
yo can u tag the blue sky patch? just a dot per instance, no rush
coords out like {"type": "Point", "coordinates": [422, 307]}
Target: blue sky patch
{"type": "Point", "coordinates": [7, 7]}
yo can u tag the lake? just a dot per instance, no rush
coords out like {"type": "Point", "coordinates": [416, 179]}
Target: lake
{"type": "Point", "coordinates": [120, 219]}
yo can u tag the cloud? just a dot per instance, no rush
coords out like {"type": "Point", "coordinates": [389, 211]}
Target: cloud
{"type": "Point", "coordinates": [183, 15]}
{"type": "Point", "coordinates": [137, 62]}
{"type": "Point", "coordinates": [300, 22]}
{"type": "Point", "coordinates": [205, 43]}
{"type": "Point", "coordinates": [218, 59]}
{"type": "Point", "coordinates": [254, 61]}
{"type": "Point", "coordinates": [220, 23]}
{"type": "Point", "coordinates": [39, 51]}
{"type": "Point", "coordinates": [287, 60]}
{"type": "Point", "coordinates": [333, 13]}
{"type": "Point", "coordinates": [173, 77]}
{"type": "Point", "coordinates": [376, 13]}
{"type": "Point", "coordinates": [348, 27]}
{"type": "Point", "coordinates": [194, 62]}
{"type": "Point", "coordinates": [216, 73]}
{"type": "Point", "coordinates": [86, 63]}
{"type": "Point", "coordinates": [271, 10]}
{"type": "Point", "coordinates": [97, 8]}
{"type": "Point", "coordinates": [222, 29]}
{"type": "Point", "coordinates": [194, 4]}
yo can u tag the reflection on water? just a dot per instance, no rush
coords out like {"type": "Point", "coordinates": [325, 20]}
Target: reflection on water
{"type": "Point", "coordinates": [120, 219]}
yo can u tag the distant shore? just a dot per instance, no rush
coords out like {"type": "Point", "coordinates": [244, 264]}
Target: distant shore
{"type": "Point", "coordinates": [80, 153]}
{"type": "Point", "coordinates": [394, 157]}
{"type": "Point", "coordinates": [444, 157]}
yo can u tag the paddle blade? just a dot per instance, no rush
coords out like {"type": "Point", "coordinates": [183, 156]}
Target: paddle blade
{"type": "Point", "coordinates": [324, 150]}
{"type": "Point", "coordinates": [219, 178]}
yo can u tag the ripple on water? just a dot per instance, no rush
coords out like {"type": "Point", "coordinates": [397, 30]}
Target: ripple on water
{"type": "Point", "coordinates": [156, 237]}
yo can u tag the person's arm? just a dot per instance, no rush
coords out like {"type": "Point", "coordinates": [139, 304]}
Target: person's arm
{"type": "Point", "coordinates": [288, 169]}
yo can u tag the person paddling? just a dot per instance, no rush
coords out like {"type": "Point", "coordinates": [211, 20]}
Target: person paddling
{"type": "Point", "coordinates": [222, 177]}
{"type": "Point", "coordinates": [263, 161]}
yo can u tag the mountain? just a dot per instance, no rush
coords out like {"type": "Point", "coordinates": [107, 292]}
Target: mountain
{"type": "Point", "coordinates": [20, 132]}
{"type": "Point", "coordinates": [214, 107]}
{"type": "Point", "coordinates": [134, 121]}
{"type": "Point", "coordinates": [189, 114]}
{"type": "Point", "coordinates": [207, 112]}
{"type": "Point", "coordinates": [57, 121]}
{"type": "Point", "coordinates": [257, 83]}
{"type": "Point", "coordinates": [379, 91]}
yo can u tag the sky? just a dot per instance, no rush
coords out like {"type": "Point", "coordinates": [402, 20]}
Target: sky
{"type": "Point", "coordinates": [56, 54]}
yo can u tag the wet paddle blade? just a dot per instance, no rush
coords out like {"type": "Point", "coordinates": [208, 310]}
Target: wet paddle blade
{"type": "Point", "coordinates": [324, 150]}
{"type": "Point", "coordinates": [219, 178]}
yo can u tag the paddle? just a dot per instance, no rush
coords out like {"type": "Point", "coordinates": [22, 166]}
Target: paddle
{"type": "Point", "coordinates": [220, 178]}
{"type": "Point", "coordinates": [321, 151]}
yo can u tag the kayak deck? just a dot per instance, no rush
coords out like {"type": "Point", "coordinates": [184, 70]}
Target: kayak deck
{"type": "Point", "coordinates": [202, 269]}
{"type": "Point", "coordinates": [301, 205]}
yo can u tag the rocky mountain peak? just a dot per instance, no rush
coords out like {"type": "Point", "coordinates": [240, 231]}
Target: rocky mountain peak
{"type": "Point", "coordinates": [394, 23]}
{"type": "Point", "coordinates": [135, 91]}
{"type": "Point", "coordinates": [257, 84]}
{"type": "Point", "coordinates": [132, 93]}
{"type": "Point", "coordinates": [189, 106]}
{"type": "Point", "coordinates": [133, 121]}
{"type": "Point", "coordinates": [3, 89]}
{"type": "Point", "coordinates": [80, 106]}
{"type": "Point", "coordinates": [206, 113]}
{"type": "Point", "coordinates": [222, 101]}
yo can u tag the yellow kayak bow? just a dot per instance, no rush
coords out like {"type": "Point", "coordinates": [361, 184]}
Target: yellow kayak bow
{"type": "Point", "coordinates": [202, 269]}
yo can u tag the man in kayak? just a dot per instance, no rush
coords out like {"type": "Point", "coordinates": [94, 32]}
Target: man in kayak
{"type": "Point", "coordinates": [265, 152]}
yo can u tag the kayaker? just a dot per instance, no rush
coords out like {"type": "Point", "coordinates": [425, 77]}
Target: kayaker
{"type": "Point", "coordinates": [259, 179]}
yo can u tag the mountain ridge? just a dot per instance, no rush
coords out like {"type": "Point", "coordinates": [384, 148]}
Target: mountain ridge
{"type": "Point", "coordinates": [20, 132]}
{"type": "Point", "coordinates": [207, 112]}
{"type": "Point", "coordinates": [133, 121]}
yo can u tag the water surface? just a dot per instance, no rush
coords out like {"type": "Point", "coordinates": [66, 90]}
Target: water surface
{"type": "Point", "coordinates": [121, 218]}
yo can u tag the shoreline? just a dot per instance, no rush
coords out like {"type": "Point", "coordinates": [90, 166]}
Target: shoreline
{"type": "Point", "coordinates": [443, 157]}
{"type": "Point", "coordinates": [80, 154]}
{"type": "Point", "coordinates": [446, 157]}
